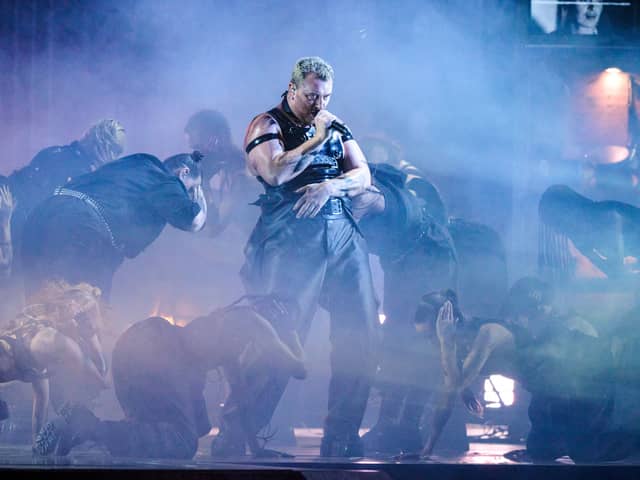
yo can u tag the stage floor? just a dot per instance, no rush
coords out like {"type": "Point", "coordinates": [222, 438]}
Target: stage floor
{"type": "Point", "coordinates": [483, 460]}
{"type": "Point", "coordinates": [306, 452]}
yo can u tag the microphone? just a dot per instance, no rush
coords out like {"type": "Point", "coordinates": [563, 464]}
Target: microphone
{"type": "Point", "coordinates": [339, 127]}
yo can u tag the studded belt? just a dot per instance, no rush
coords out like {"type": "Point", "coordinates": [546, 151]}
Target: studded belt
{"type": "Point", "coordinates": [67, 192]}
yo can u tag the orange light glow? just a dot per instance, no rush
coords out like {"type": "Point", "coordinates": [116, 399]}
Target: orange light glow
{"type": "Point", "coordinates": [155, 312]}
{"type": "Point", "coordinates": [610, 154]}
{"type": "Point", "coordinates": [614, 81]}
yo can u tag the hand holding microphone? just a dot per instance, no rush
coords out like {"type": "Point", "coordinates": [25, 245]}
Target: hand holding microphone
{"type": "Point", "coordinates": [322, 122]}
{"type": "Point", "coordinates": [325, 121]}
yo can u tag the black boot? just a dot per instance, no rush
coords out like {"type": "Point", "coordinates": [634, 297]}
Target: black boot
{"type": "Point", "coordinates": [231, 440]}
{"type": "Point", "coordinates": [75, 425]}
{"type": "Point", "coordinates": [4, 410]}
{"type": "Point", "coordinates": [376, 439]}
{"type": "Point", "coordinates": [341, 445]}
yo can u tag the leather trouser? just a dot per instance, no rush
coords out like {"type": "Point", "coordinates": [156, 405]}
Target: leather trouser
{"type": "Point", "coordinates": [323, 261]}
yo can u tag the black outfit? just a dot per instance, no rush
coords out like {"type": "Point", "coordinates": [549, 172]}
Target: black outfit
{"type": "Point", "coordinates": [417, 256]}
{"type": "Point", "coordinates": [317, 260]}
{"type": "Point", "coordinates": [50, 168]}
{"type": "Point", "coordinates": [571, 381]}
{"type": "Point", "coordinates": [626, 345]}
{"type": "Point", "coordinates": [86, 229]}
{"type": "Point", "coordinates": [19, 339]}
{"type": "Point", "coordinates": [159, 386]}
{"type": "Point", "coordinates": [482, 263]}
{"type": "Point", "coordinates": [605, 232]}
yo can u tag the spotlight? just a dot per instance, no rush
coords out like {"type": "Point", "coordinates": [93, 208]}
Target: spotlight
{"type": "Point", "coordinates": [381, 318]}
{"type": "Point", "coordinates": [499, 391]}
{"type": "Point", "coordinates": [613, 70]}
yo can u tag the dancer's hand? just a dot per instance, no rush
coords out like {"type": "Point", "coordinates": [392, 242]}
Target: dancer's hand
{"type": "Point", "coordinates": [445, 323]}
{"type": "Point", "coordinates": [7, 202]}
{"type": "Point", "coordinates": [314, 197]}
{"type": "Point", "coordinates": [472, 404]}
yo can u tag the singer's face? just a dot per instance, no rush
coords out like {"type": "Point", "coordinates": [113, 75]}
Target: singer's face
{"type": "Point", "coordinates": [588, 14]}
{"type": "Point", "coordinates": [307, 99]}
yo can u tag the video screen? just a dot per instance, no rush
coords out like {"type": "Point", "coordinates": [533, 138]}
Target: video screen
{"type": "Point", "coordinates": [584, 21]}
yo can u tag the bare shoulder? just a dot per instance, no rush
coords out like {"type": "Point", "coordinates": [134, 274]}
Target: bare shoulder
{"type": "Point", "coordinates": [46, 336]}
{"type": "Point", "coordinates": [46, 342]}
{"type": "Point", "coordinates": [495, 332]}
{"type": "Point", "coordinates": [260, 125]}
{"type": "Point", "coordinates": [581, 325]}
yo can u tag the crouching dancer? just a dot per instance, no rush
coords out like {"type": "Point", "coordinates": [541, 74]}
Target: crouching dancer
{"type": "Point", "coordinates": [159, 373]}
{"type": "Point", "coordinates": [59, 333]}
{"type": "Point", "coordinates": [85, 230]}
{"type": "Point", "coordinates": [560, 360]}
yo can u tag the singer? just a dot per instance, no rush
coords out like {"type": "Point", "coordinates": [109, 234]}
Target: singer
{"type": "Point", "coordinates": [306, 249]}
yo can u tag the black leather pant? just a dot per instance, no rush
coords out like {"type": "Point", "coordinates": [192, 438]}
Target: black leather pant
{"type": "Point", "coordinates": [320, 261]}
{"type": "Point", "coordinates": [63, 238]}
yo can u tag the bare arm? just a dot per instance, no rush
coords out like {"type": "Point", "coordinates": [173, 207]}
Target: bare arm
{"type": "Point", "coordinates": [228, 189]}
{"type": "Point", "coordinates": [579, 324]}
{"type": "Point", "coordinates": [357, 177]}
{"type": "Point", "coordinates": [7, 206]}
{"type": "Point", "coordinates": [248, 343]}
{"type": "Point", "coordinates": [489, 337]}
{"type": "Point", "coordinates": [445, 404]}
{"type": "Point", "coordinates": [221, 190]}
{"type": "Point", "coordinates": [355, 181]}
{"type": "Point", "coordinates": [445, 327]}
{"type": "Point", "coordinates": [51, 349]}
{"type": "Point", "coordinates": [269, 159]}
{"type": "Point", "coordinates": [40, 405]}
{"type": "Point", "coordinates": [370, 202]}
{"type": "Point", "coordinates": [201, 218]}
{"type": "Point", "coordinates": [275, 354]}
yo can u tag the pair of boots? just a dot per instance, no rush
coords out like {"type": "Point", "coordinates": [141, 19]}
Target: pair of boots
{"type": "Point", "coordinates": [398, 427]}
{"type": "Point", "coordinates": [341, 445]}
{"type": "Point", "coordinates": [393, 438]}
{"type": "Point", "coordinates": [229, 444]}
{"type": "Point", "coordinates": [233, 440]}
{"type": "Point", "coordinates": [398, 431]}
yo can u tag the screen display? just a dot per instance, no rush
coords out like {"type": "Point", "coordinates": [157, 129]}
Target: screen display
{"type": "Point", "coordinates": [606, 22]}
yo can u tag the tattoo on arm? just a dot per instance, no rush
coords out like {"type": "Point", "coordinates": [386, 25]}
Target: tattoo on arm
{"type": "Point", "coordinates": [301, 164]}
{"type": "Point", "coordinates": [348, 185]}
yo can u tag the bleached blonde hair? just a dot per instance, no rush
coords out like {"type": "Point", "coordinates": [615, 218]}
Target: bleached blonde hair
{"type": "Point", "coordinates": [307, 65]}
{"type": "Point", "coordinates": [59, 303]}
{"type": "Point", "coordinates": [102, 140]}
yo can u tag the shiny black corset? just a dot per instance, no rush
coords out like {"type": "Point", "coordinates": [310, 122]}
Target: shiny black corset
{"type": "Point", "coordinates": [327, 161]}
